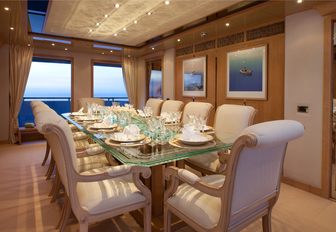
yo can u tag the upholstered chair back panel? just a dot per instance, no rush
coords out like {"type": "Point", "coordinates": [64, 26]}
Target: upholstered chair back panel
{"type": "Point", "coordinates": [231, 120]}
{"type": "Point", "coordinates": [155, 104]}
{"type": "Point", "coordinates": [172, 106]}
{"type": "Point", "coordinates": [83, 102]}
{"type": "Point", "coordinates": [254, 182]}
{"type": "Point", "coordinates": [196, 108]}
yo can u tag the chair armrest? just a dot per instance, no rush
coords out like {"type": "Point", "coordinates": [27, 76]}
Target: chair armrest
{"type": "Point", "coordinates": [175, 174]}
{"type": "Point", "coordinates": [223, 157]}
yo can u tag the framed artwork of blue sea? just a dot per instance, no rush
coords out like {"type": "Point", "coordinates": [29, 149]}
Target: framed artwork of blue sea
{"type": "Point", "coordinates": [194, 77]}
{"type": "Point", "coordinates": [247, 73]}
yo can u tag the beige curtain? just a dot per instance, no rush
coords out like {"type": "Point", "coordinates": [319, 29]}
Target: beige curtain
{"type": "Point", "coordinates": [130, 78]}
{"type": "Point", "coordinates": [20, 59]}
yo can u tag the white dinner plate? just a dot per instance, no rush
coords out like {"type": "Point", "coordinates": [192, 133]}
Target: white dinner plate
{"type": "Point", "coordinates": [207, 138]}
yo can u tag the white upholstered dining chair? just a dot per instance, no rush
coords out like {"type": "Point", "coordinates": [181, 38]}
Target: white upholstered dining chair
{"type": "Point", "coordinates": [155, 104]}
{"type": "Point", "coordinates": [230, 121]}
{"type": "Point", "coordinates": [248, 191]}
{"type": "Point", "coordinates": [172, 106]}
{"type": "Point", "coordinates": [97, 194]}
{"type": "Point", "coordinates": [83, 102]}
{"type": "Point", "coordinates": [196, 108]}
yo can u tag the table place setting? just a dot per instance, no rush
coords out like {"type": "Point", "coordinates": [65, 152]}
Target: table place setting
{"type": "Point", "coordinates": [78, 113]}
{"type": "Point", "coordinates": [171, 118]}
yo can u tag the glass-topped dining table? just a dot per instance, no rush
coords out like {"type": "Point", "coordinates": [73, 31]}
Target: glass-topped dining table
{"type": "Point", "coordinates": [154, 155]}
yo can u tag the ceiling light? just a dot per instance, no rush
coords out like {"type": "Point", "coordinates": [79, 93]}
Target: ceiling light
{"type": "Point", "coordinates": [124, 28]}
{"type": "Point", "coordinates": [128, 56]}
{"type": "Point", "coordinates": [167, 2]}
{"type": "Point", "coordinates": [111, 51]}
{"type": "Point", "coordinates": [28, 45]}
{"type": "Point", "coordinates": [299, 1]}
{"type": "Point", "coordinates": [227, 24]}
{"type": "Point", "coordinates": [149, 13]}
{"type": "Point", "coordinates": [203, 34]}
{"type": "Point", "coordinates": [115, 34]}
{"type": "Point", "coordinates": [52, 44]}
{"type": "Point", "coordinates": [11, 28]}
{"type": "Point", "coordinates": [106, 16]}
{"type": "Point", "coordinates": [97, 24]}
{"type": "Point", "coordinates": [6, 8]}
{"type": "Point", "coordinates": [90, 30]}
{"type": "Point", "coordinates": [135, 21]}
{"type": "Point", "coordinates": [117, 5]}
{"type": "Point", "coordinates": [66, 49]}
{"type": "Point", "coordinates": [153, 48]}
{"type": "Point", "coordinates": [178, 40]}
{"type": "Point", "coordinates": [103, 53]}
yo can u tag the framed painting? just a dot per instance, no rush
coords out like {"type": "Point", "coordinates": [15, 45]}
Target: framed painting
{"type": "Point", "coordinates": [247, 73]}
{"type": "Point", "coordinates": [194, 77]}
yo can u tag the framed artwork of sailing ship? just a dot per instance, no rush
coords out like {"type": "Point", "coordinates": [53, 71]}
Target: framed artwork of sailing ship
{"type": "Point", "coordinates": [247, 73]}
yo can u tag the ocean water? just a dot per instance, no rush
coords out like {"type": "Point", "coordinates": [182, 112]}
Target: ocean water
{"type": "Point", "coordinates": [251, 59]}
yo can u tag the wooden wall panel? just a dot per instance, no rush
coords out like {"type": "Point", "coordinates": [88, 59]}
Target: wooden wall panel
{"type": "Point", "coordinates": [270, 109]}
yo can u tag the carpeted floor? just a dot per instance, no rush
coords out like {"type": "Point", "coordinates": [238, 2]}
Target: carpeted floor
{"type": "Point", "coordinates": [25, 205]}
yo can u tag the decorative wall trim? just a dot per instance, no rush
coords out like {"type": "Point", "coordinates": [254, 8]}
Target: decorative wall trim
{"type": "Point", "coordinates": [265, 31]}
{"type": "Point", "coordinates": [205, 46]}
{"type": "Point", "coordinates": [230, 39]}
{"type": "Point", "coordinates": [185, 50]}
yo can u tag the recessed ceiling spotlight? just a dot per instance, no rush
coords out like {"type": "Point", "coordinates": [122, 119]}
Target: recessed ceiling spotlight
{"type": "Point", "coordinates": [167, 2]}
{"type": "Point", "coordinates": [128, 56]}
{"type": "Point", "coordinates": [135, 21]}
{"type": "Point", "coordinates": [106, 16]}
{"type": "Point", "coordinates": [103, 53]}
{"type": "Point", "coordinates": [149, 13]}
{"type": "Point", "coordinates": [6, 8]}
{"type": "Point", "coordinates": [153, 48]}
{"type": "Point", "coordinates": [90, 30]}
{"type": "Point", "coordinates": [28, 45]}
{"type": "Point", "coordinates": [97, 24]}
{"type": "Point", "coordinates": [111, 51]}
{"type": "Point", "coordinates": [124, 28]}
{"type": "Point", "coordinates": [227, 24]}
{"type": "Point", "coordinates": [299, 1]}
{"type": "Point", "coordinates": [52, 44]}
{"type": "Point", "coordinates": [11, 28]}
{"type": "Point", "coordinates": [66, 49]}
{"type": "Point", "coordinates": [117, 5]}
{"type": "Point", "coordinates": [178, 40]}
{"type": "Point", "coordinates": [115, 34]}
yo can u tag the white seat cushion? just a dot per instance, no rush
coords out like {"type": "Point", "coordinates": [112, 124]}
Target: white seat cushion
{"type": "Point", "coordinates": [81, 144]}
{"type": "Point", "coordinates": [101, 196]}
{"type": "Point", "coordinates": [198, 206]}
{"type": "Point", "coordinates": [208, 161]}
{"type": "Point", "coordinates": [91, 162]}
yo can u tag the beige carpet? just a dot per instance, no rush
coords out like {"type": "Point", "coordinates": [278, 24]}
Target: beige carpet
{"type": "Point", "coordinates": [24, 204]}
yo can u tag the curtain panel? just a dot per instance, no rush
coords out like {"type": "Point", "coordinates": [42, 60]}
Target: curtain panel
{"type": "Point", "coordinates": [130, 78]}
{"type": "Point", "coordinates": [20, 59]}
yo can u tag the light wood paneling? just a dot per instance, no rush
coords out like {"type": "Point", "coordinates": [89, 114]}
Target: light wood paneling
{"type": "Point", "coordinates": [270, 109]}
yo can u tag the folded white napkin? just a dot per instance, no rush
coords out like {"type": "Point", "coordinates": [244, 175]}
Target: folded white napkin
{"type": "Point", "coordinates": [141, 113]}
{"type": "Point", "coordinates": [80, 110]}
{"type": "Point", "coordinates": [190, 134]}
{"type": "Point", "coordinates": [130, 132]}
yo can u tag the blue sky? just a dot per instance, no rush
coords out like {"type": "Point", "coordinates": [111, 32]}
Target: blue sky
{"type": "Point", "coordinates": [54, 80]}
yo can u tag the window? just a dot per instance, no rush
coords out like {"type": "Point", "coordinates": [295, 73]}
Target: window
{"type": "Point", "coordinates": [49, 81]}
{"type": "Point", "coordinates": [154, 75]}
{"type": "Point", "coordinates": [108, 83]}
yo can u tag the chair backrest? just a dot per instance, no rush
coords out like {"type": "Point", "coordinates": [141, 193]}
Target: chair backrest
{"type": "Point", "coordinates": [172, 106]}
{"type": "Point", "coordinates": [253, 179]}
{"type": "Point", "coordinates": [196, 108]}
{"type": "Point", "coordinates": [231, 120]}
{"type": "Point", "coordinates": [155, 104]}
{"type": "Point", "coordinates": [83, 102]}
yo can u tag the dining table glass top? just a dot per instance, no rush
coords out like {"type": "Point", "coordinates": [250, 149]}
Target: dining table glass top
{"type": "Point", "coordinates": [159, 145]}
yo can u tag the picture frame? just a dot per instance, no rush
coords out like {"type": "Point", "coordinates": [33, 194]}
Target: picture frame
{"type": "Point", "coordinates": [247, 73]}
{"type": "Point", "coordinates": [194, 77]}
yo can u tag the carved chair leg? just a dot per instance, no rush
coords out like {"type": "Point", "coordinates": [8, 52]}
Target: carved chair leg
{"type": "Point", "coordinates": [267, 222]}
{"type": "Point", "coordinates": [148, 218]}
{"type": "Point", "coordinates": [166, 220]}
{"type": "Point", "coordinates": [50, 168]}
{"type": "Point", "coordinates": [56, 188]}
{"type": "Point", "coordinates": [66, 214]}
{"type": "Point", "coordinates": [46, 154]}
